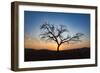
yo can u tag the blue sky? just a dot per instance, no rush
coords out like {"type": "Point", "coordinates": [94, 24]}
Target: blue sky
{"type": "Point", "coordinates": [75, 22]}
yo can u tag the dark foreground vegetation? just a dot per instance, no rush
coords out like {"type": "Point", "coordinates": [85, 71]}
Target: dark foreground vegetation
{"type": "Point", "coordinates": [40, 55]}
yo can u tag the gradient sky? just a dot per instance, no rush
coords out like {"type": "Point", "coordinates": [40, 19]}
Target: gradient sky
{"type": "Point", "coordinates": [75, 22]}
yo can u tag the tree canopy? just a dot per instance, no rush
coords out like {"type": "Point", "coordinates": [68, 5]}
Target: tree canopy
{"type": "Point", "coordinates": [56, 33]}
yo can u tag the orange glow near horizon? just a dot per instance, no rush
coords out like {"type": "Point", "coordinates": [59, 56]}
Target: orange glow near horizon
{"type": "Point", "coordinates": [73, 22]}
{"type": "Point", "coordinates": [35, 43]}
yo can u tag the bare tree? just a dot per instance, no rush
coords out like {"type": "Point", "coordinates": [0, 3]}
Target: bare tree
{"type": "Point", "coordinates": [54, 33]}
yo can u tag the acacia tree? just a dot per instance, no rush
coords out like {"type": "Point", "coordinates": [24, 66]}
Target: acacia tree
{"type": "Point", "coordinates": [56, 33]}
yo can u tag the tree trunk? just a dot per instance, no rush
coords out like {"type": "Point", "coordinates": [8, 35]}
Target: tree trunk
{"type": "Point", "coordinates": [58, 48]}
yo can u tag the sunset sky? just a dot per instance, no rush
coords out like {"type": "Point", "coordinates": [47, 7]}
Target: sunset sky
{"type": "Point", "coordinates": [75, 22]}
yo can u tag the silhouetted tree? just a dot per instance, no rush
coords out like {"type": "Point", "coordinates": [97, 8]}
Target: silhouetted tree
{"type": "Point", "coordinates": [56, 33]}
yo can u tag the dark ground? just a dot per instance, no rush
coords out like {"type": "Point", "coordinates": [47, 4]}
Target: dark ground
{"type": "Point", "coordinates": [40, 55]}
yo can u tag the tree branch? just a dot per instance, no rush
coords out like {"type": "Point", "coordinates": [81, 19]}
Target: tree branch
{"type": "Point", "coordinates": [56, 34]}
{"type": "Point", "coordinates": [50, 30]}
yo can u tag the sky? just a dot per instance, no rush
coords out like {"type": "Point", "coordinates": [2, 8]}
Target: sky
{"type": "Point", "coordinates": [75, 23]}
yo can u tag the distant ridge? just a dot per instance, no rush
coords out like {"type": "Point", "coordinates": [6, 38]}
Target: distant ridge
{"type": "Point", "coordinates": [44, 54]}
